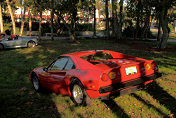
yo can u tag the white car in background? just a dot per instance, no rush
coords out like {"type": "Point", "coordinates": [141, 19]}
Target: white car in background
{"type": "Point", "coordinates": [15, 41]}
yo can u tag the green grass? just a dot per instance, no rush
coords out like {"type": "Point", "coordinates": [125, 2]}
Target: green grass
{"type": "Point", "coordinates": [18, 99]}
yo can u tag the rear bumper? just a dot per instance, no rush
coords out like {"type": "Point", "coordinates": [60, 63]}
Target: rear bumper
{"type": "Point", "coordinates": [133, 84]}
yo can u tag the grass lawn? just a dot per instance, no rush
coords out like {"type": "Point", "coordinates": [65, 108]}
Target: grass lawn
{"type": "Point", "coordinates": [19, 100]}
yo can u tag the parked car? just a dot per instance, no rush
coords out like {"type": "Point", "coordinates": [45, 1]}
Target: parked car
{"type": "Point", "coordinates": [94, 74]}
{"type": "Point", "coordinates": [15, 41]}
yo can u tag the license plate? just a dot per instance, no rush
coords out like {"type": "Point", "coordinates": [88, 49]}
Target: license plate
{"type": "Point", "coordinates": [131, 70]}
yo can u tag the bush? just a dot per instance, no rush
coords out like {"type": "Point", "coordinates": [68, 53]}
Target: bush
{"type": "Point", "coordinates": [130, 30]}
{"type": "Point", "coordinates": [84, 27]}
{"type": "Point", "coordinates": [46, 27]}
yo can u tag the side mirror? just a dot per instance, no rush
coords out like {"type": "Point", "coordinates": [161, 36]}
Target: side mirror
{"type": "Point", "coordinates": [45, 69]}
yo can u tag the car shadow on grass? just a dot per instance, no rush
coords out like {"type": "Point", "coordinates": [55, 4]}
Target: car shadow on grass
{"type": "Point", "coordinates": [162, 96]}
{"type": "Point", "coordinates": [115, 108]}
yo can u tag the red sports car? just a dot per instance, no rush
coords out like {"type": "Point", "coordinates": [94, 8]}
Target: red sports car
{"type": "Point", "coordinates": [94, 74]}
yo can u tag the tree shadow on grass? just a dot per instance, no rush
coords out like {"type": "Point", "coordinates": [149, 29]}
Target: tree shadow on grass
{"type": "Point", "coordinates": [162, 96]}
{"type": "Point", "coordinates": [18, 99]}
{"type": "Point", "coordinates": [25, 103]}
{"type": "Point", "coordinates": [148, 104]}
{"type": "Point", "coordinates": [115, 108]}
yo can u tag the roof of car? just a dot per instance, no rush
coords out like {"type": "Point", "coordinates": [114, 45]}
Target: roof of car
{"type": "Point", "coordinates": [83, 53]}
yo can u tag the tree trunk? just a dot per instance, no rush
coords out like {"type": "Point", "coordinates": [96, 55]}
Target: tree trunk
{"type": "Point", "coordinates": [139, 4]}
{"type": "Point", "coordinates": [146, 25]}
{"type": "Point", "coordinates": [175, 26]}
{"type": "Point", "coordinates": [73, 36]}
{"type": "Point", "coordinates": [99, 14]}
{"type": "Point", "coordinates": [114, 20]}
{"type": "Point", "coordinates": [66, 25]}
{"type": "Point", "coordinates": [159, 29]}
{"type": "Point", "coordinates": [136, 29]}
{"type": "Point", "coordinates": [114, 8]}
{"type": "Point", "coordinates": [58, 26]}
{"type": "Point", "coordinates": [107, 19]}
{"type": "Point", "coordinates": [30, 21]}
{"type": "Point", "coordinates": [1, 20]}
{"type": "Point", "coordinates": [12, 17]}
{"type": "Point", "coordinates": [73, 23]}
{"type": "Point", "coordinates": [94, 29]}
{"type": "Point", "coordinates": [164, 24]}
{"type": "Point", "coordinates": [52, 17]}
{"type": "Point", "coordinates": [40, 26]}
{"type": "Point", "coordinates": [119, 33]}
{"type": "Point", "coordinates": [22, 21]}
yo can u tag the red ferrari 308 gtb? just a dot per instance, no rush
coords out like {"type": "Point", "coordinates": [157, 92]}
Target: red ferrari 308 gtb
{"type": "Point", "coordinates": [94, 74]}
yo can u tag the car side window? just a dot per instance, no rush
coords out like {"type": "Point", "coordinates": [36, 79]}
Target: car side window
{"type": "Point", "coordinates": [59, 64]}
{"type": "Point", "coordinates": [70, 65]}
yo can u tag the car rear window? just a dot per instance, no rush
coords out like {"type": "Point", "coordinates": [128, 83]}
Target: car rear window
{"type": "Point", "coordinates": [97, 57]}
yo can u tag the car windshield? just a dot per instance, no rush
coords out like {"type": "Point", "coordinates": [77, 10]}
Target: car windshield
{"type": "Point", "coordinates": [97, 57]}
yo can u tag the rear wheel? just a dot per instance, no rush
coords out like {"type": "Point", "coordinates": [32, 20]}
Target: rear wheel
{"type": "Point", "coordinates": [1, 47]}
{"type": "Point", "coordinates": [31, 44]}
{"type": "Point", "coordinates": [36, 83]}
{"type": "Point", "coordinates": [78, 94]}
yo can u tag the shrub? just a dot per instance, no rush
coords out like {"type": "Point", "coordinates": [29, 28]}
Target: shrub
{"type": "Point", "coordinates": [84, 27]}
{"type": "Point", "coordinates": [130, 30]}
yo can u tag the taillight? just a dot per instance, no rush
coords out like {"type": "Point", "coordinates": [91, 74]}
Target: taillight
{"type": "Point", "coordinates": [112, 75]}
{"type": "Point", "coordinates": [148, 66]}
{"type": "Point", "coordinates": [104, 77]}
{"type": "Point", "coordinates": [154, 66]}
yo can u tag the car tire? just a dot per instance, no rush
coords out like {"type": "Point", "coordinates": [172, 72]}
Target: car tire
{"type": "Point", "coordinates": [1, 47]}
{"type": "Point", "coordinates": [78, 94]}
{"type": "Point", "coordinates": [31, 44]}
{"type": "Point", "coordinates": [36, 83]}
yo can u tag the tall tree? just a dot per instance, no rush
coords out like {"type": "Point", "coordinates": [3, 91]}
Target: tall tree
{"type": "Point", "coordinates": [159, 28]}
{"type": "Point", "coordinates": [29, 4]}
{"type": "Point", "coordinates": [146, 18]}
{"type": "Point", "coordinates": [1, 19]}
{"type": "Point", "coordinates": [38, 10]}
{"type": "Point", "coordinates": [12, 17]}
{"type": "Point", "coordinates": [100, 7]}
{"type": "Point", "coordinates": [94, 9]}
{"type": "Point", "coordinates": [69, 7]}
{"type": "Point", "coordinates": [120, 23]}
{"type": "Point", "coordinates": [30, 21]}
{"type": "Point", "coordinates": [107, 19]}
{"type": "Point", "coordinates": [139, 11]}
{"type": "Point", "coordinates": [40, 25]}
{"type": "Point", "coordinates": [23, 10]}
{"type": "Point", "coordinates": [163, 7]}
{"type": "Point", "coordinates": [114, 18]}
{"type": "Point", "coordinates": [175, 26]}
{"type": "Point", "coordinates": [52, 17]}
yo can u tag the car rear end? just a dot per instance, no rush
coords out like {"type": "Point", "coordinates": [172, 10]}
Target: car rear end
{"type": "Point", "coordinates": [128, 76]}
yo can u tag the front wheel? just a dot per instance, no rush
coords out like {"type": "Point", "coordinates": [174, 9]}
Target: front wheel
{"type": "Point", "coordinates": [79, 95]}
{"type": "Point", "coordinates": [31, 44]}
